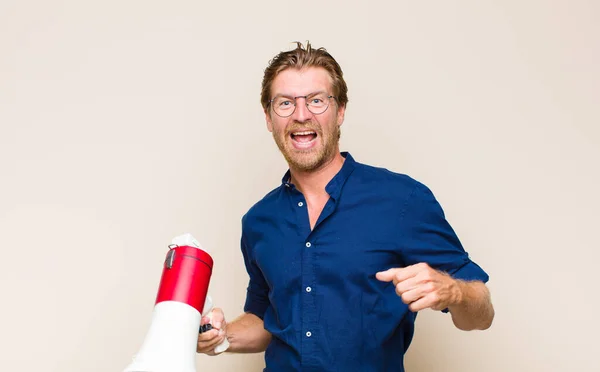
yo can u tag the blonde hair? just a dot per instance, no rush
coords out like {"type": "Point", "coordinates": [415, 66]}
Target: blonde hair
{"type": "Point", "coordinates": [303, 57]}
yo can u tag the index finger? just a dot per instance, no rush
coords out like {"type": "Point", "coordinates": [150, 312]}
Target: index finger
{"type": "Point", "coordinates": [398, 274]}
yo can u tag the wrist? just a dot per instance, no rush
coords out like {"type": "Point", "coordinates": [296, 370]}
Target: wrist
{"type": "Point", "coordinates": [458, 292]}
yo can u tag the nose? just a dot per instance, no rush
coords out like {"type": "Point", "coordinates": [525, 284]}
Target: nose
{"type": "Point", "coordinates": [302, 113]}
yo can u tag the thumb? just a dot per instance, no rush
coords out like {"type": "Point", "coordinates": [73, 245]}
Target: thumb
{"type": "Point", "coordinates": [217, 318]}
{"type": "Point", "coordinates": [205, 320]}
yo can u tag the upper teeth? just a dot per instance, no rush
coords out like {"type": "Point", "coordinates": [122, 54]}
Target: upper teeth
{"type": "Point", "coordinates": [303, 133]}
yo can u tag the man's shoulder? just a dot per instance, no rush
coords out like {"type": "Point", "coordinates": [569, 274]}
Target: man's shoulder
{"type": "Point", "coordinates": [384, 177]}
{"type": "Point", "coordinates": [399, 186]}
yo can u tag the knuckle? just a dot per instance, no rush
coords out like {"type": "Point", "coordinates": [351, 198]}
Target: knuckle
{"type": "Point", "coordinates": [398, 292]}
{"type": "Point", "coordinates": [405, 299]}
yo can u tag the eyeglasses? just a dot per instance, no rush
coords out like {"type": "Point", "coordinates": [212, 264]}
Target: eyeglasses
{"type": "Point", "coordinates": [317, 103]}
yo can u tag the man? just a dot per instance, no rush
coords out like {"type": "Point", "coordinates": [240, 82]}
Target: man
{"type": "Point", "coordinates": [341, 256]}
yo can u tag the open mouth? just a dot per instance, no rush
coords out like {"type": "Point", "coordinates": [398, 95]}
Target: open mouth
{"type": "Point", "coordinates": [304, 137]}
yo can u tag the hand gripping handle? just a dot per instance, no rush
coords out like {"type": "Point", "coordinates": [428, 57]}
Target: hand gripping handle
{"type": "Point", "coordinates": [208, 306]}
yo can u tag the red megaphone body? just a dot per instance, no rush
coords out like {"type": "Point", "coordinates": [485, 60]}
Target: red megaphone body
{"type": "Point", "coordinates": [170, 344]}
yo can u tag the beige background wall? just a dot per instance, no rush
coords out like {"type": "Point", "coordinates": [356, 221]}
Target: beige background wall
{"type": "Point", "coordinates": [125, 123]}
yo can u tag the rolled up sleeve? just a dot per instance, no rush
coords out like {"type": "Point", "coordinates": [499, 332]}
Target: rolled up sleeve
{"type": "Point", "coordinates": [257, 293]}
{"type": "Point", "coordinates": [429, 238]}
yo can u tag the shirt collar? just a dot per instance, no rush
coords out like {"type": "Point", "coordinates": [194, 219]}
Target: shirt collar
{"type": "Point", "coordinates": [334, 187]}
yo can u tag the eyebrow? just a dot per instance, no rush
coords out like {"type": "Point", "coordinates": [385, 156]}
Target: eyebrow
{"type": "Point", "coordinates": [308, 95]}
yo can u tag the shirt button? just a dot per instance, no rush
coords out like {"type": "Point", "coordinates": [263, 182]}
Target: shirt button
{"type": "Point", "coordinates": [308, 334]}
{"type": "Point", "coordinates": [308, 244]}
{"type": "Point", "coordinates": [308, 289]}
{"type": "Point", "coordinates": [300, 204]}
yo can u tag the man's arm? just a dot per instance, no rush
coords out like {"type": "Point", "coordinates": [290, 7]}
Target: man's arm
{"type": "Point", "coordinates": [472, 308]}
{"type": "Point", "coordinates": [246, 334]}
{"type": "Point", "coordinates": [422, 287]}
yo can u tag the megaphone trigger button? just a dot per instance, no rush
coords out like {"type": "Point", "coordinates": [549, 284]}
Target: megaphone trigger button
{"type": "Point", "coordinates": [205, 328]}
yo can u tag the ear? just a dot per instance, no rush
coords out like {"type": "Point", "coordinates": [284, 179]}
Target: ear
{"type": "Point", "coordinates": [268, 119]}
{"type": "Point", "coordinates": [341, 111]}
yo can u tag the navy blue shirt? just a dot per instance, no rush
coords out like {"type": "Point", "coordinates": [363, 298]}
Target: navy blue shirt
{"type": "Point", "coordinates": [316, 290]}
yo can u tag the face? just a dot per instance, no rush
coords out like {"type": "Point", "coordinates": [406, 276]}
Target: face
{"type": "Point", "coordinates": [307, 141]}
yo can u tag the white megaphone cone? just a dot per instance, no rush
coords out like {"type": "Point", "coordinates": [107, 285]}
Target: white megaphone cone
{"type": "Point", "coordinates": [170, 344]}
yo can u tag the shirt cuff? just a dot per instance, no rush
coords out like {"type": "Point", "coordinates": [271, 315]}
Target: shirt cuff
{"type": "Point", "coordinates": [470, 271]}
{"type": "Point", "coordinates": [255, 305]}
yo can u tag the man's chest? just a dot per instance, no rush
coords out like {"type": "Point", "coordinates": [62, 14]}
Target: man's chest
{"type": "Point", "coordinates": [350, 243]}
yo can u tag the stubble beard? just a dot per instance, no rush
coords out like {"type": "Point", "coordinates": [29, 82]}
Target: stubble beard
{"type": "Point", "coordinates": [310, 159]}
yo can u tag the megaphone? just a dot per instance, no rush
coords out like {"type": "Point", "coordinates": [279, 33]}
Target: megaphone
{"type": "Point", "coordinates": [170, 344]}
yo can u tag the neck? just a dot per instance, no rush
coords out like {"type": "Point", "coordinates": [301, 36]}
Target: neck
{"type": "Point", "coordinates": [313, 182]}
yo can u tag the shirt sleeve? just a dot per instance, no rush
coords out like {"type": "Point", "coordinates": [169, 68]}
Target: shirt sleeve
{"type": "Point", "coordinates": [257, 293]}
{"type": "Point", "coordinates": [429, 238]}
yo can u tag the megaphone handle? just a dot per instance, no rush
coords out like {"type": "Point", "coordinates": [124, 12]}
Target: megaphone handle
{"type": "Point", "coordinates": [223, 345]}
{"type": "Point", "coordinates": [208, 311]}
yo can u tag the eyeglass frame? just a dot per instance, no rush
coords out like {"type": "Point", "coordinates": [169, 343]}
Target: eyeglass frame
{"type": "Point", "coordinates": [296, 105]}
